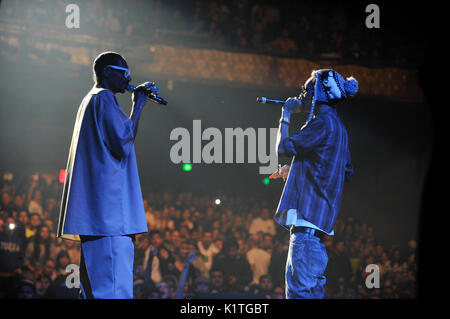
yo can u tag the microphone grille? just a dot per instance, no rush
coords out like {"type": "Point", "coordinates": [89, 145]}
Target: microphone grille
{"type": "Point", "coordinates": [261, 99]}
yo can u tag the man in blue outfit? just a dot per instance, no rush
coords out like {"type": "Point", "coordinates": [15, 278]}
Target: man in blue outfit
{"type": "Point", "coordinates": [311, 197]}
{"type": "Point", "coordinates": [102, 202]}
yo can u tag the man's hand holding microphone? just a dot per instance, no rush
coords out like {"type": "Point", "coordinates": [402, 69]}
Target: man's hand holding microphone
{"type": "Point", "coordinates": [140, 94]}
{"type": "Point", "coordinates": [290, 106]}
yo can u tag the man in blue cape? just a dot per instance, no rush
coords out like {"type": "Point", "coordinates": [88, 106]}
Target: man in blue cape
{"type": "Point", "coordinates": [102, 203]}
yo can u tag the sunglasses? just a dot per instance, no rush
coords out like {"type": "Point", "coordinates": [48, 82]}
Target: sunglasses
{"type": "Point", "coordinates": [126, 72]}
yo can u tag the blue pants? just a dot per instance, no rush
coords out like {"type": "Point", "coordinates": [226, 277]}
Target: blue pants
{"type": "Point", "coordinates": [305, 267]}
{"type": "Point", "coordinates": [106, 267]}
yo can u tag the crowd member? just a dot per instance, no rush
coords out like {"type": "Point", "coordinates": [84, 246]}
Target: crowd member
{"type": "Point", "coordinates": [73, 250]}
{"type": "Point", "coordinates": [35, 204]}
{"type": "Point", "coordinates": [237, 270]}
{"type": "Point", "coordinates": [258, 258]}
{"type": "Point", "coordinates": [58, 289]}
{"type": "Point", "coordinates": [166, 249]}
{"type": "Point", "coordinates": [40, 247]}
{"type": "Point", "coordinates": [278, 259]}
{"type": "Point", "coordinates": [163, 291]}
{"type": "Point", "coordinates": [265, 286]}
{"type": "Point", "coordinates": [166, 261]}
{"type": "Point", "coordinates": [11, 259]}
{"type": "Point", "coordinates": [61, 263]}
{"type": "Point", "coordinates": [35, 223]}
{"type": "Point", "coordinates": [217, 280]}
{"type": "Point", "coordinates": [6, 205]}
{"type": "Point", "coordinates": [207, 249]}
{"type": "Point", "coordinates": [141, 251]}
{"type": "Point", "coordinates": [184, 268]}
{"type": "Point", "coordinates": [147, 258]}
{"type": "Point", "coordinates": [41, 286]}
{"type": "Point", "coordinates": [48, 270]}
{"type": "Point", "coordinates": [200, 288]}
{"type": "Point", "coordinates": [187, 221]}
{"type": "Point", "coordinates": [339, 270]}
{"type": "Point", "coordinates": [25, 289]}
{"type": "Point", "coordinates": [263, 223]}
{"type": "Point", "coordinates": [22, 224]}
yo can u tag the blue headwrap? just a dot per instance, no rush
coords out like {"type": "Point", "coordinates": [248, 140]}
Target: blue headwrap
{"type": "Point", "coordinates": [347, 87]}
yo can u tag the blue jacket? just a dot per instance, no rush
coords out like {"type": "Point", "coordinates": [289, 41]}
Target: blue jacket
{"type": "Point", "coordinates": [319, 168]}
{"type": "Point", "coordinates": [11, 252]}
{"type": "Point", "coordinates": [102, 193]}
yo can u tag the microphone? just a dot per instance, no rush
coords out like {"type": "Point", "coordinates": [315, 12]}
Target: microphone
{"type": "Point", "coordinates": [150, 95]}
{"type": "Point", "coordinates": [265, 100]}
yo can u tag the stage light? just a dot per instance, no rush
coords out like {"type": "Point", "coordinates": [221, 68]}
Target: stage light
{"type": "Point", "coordinates": [187, 167]}
{"type": "Point", "coordinates": [266, 181]}
{"type": "Point", "coordinates": [62, 176]}
{"type": "Point", "coordinates": [217, 201]}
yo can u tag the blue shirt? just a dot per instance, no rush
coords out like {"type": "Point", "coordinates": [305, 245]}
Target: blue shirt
{"type": "Point", "coordinates": [11, 251]}
{"type": "Point", "coordinates": [102, 193]}
{"type": "Point", "coordinates": [320, 165]}
{"type": "Point", "coordinates": [292, 218]}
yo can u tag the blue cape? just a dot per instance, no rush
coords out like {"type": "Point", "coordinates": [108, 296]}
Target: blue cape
{"type": "Point", "coordinates": [102, 193]}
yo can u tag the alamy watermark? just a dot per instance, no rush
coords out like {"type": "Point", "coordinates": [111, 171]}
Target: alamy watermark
{"type": "Point", "coordinates": [373, 19]}
{"type": "Point", "coordinates": [73, 17]}
{"type": "Point", "coordinates": [73, 277]}
{"type": "Point", "coordinates": [221, 147]}
{"type": "Point", "coordinates": [373, 277]}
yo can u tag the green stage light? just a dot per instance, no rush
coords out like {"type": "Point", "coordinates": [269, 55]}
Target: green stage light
{"type": "Point", "coordinates": [266, 181]}
{"type": "Point", "coordinates": [187, 167]}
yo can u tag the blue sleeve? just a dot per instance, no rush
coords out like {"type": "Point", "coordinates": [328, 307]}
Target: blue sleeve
{"type": "Point", "coordinates": [309, 137]}
{"type": "Point", "coordinates": [115, 126]}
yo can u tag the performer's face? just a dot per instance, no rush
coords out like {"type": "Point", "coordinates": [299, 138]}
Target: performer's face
{"type": "Point", "coordinates": [308, 96]}
{"type": "Point", "coordinates": [330, 86]}
{"type": "Point", "coordinates": [117, 80]}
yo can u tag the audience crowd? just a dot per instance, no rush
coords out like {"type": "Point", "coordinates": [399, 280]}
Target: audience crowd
{"type": "Point", "coordinates": [306, 29]}
{"type": "Point", "coordinates": [194, 248]}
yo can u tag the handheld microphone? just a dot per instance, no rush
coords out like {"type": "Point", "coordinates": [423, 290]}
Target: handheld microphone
{"type": "Point", "coordinates": [150, 95]}
{"type": "Point", "coordinates": [265, 100]}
